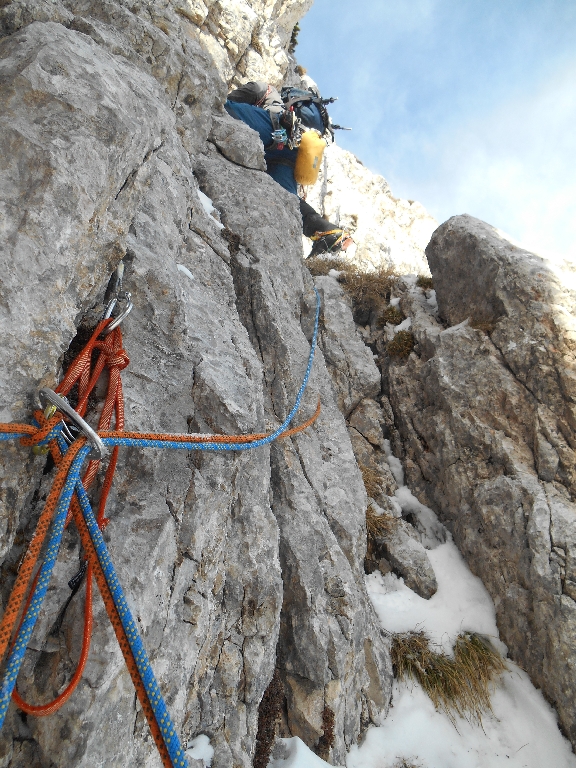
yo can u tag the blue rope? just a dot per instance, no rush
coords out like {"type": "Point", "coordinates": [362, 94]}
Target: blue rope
{"type": "Point", "coordinates": [140, 656]}
{"type": "Point", "coordinates": [74, 483]}
{"type": "Point", "coordinates": [16, 657]}
{"type": "Point", "coordinates": [25, 632]}
{"type": "Point", "coordinates": [133, 442]}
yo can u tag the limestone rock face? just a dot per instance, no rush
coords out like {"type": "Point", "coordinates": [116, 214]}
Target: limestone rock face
{"type": "Point", "coordinates": [387, 231]}
{"type": "Point", "coordinates": [110, 127]}
{"type": "Point", "coordinates": [350, 362]}
{"type": "Point", "coordinates": [485, 414]}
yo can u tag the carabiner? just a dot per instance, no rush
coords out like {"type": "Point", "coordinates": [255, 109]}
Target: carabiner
{"type": "Point", "coordinates": [117, 320]}
{"type": "Point", "coordinates": [98, 450]}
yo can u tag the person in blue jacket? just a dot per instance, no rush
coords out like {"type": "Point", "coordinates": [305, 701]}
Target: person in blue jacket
{"type": "Point", "coordinates": [260, 106]}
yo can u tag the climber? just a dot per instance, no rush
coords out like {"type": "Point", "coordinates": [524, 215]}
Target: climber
{"type": "Point", "coordinates": [268, 112]}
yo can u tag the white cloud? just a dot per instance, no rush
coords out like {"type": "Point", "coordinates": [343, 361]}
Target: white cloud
{"type": "Point", "coordinates": [513, 167]}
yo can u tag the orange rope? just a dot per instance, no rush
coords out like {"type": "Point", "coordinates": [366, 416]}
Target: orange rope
{"type": "Point", "coordinates": [114, 357]}
{"type": "Point", "coordinates": [212, 438]}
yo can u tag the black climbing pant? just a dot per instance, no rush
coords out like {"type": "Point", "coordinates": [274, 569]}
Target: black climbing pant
{"type": "Point", "coordinates": [312, 221]}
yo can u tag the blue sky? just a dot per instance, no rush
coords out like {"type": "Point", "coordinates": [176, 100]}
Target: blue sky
{"type": "Point", "coordinates": [468, 106]}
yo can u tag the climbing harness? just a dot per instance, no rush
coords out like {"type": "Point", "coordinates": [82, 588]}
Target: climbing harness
{"type": "Point", "coordinates": [71, 445]}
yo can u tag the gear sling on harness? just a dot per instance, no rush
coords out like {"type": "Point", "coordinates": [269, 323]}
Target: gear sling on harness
{"type": "Point", "coordinates": [68, 498]}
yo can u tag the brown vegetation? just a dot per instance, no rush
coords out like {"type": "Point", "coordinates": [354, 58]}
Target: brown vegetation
{"type": "Point", "coordinates": [326, 741]}
{"type": "Point", "coordinates": [424, 282]}
{"type": "Point", "coordinates": [318, 266]}
{"type": "Point", "coordinates": [372, 480]}
{"type": "Point", "coordinates": [369, 291]}
{"type": "Point", "coordinates": [459, 685]}
{"type": "Point", "coordinates": [401, 345]}
{"type": "Point", "coordinates": [268, 714]}
{"type": "Point", "coordinates": [391, 315]}
{"type": "Point", "coordinates": [378, 525]}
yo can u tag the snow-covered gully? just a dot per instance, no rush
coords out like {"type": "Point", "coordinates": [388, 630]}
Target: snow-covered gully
{"type": "Point", "coordinates": [522, 731]}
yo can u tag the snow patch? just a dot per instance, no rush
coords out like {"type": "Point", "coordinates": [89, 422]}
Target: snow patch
{"type": "Point", "coordinates": [394, 464]}
{"type": "Point", "coordinates": [293, 753]}
{"type": "Point", "coordinates": [522, 733]}
{"type": "Point", "coordinates": [208, 206]}
{"type": "Point", "coordinates": [405, 325]}
{"type": "Point", "coordinates": [185, 271]}
{"type": "Point", "coordinates": [431, 299]}
{"type": "Point", "coordinates": [461, 602]}
{"type": "Point", "coordinates": [201, 749]}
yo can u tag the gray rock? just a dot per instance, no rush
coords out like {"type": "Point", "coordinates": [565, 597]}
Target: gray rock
{"type": "Point", "coordinates": [16, 14]}
{"type": "Point", "coordinates": [238, 142]}
{"type": "Point", "coordinates": [350, 363]}
{"type": "Point", "coordinates": [369, 419]}
{"type": "Point", "coordinates": [233, 563]}
{"type": "Point", "coordinates": [529, 309]}
{"type": "Point", "coordinates": [374, 461]}
{"type": "Point", "coordinates": [408, 558]}
{"type": "Point", "coordinates": [330, 645]}
{"type": "Point", "coordinates": [485, 421]}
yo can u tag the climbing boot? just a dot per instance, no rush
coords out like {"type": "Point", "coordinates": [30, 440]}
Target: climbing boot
{"type": "Point", "coordinates": [330, 242]}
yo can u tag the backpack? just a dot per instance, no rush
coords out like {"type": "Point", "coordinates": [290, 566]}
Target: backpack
{"type": "Point", "coordinates": [309, 108]}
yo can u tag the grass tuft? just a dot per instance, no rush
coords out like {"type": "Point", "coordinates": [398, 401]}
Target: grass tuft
{"type": "Point", "coordinates": [391, 315]}
{"type": "Point", "coordinates": [401, 345]}
{"type": "Point", "coordinates": [372, 481]}
{"type": "Point", "coordinates": [425, 282]}
{"type": "Point", "coordinates": [369, 291]}
{"type": "Point", "coordinates": [378, 525]}
{"type": "Point", "coordinates": [318, 266]}
{"type": "Point", "coordinates": [458, 686]}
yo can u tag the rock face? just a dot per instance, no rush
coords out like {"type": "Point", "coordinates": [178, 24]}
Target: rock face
{"type": "Point", "coordinates": [485, 407]}
{"type": "Point", "coordinates": [113, 142]}
{"type": "Point", "coordinates": [387, 231]}
{"type": "Point", "coordinates": [111, 124]}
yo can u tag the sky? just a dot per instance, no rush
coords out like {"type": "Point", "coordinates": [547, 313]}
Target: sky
{"type": "Point", "coordinates": [468, 106]}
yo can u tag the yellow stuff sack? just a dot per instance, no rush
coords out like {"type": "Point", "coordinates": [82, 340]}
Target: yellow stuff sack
{"type": "Point", "coordinates": [309, 158]}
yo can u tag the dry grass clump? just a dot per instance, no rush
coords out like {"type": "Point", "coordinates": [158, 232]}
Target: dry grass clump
{"type": "Point", "coordinates": [369, 290]}
{"type": "Point", "coordinates": [372, 480]}
{"type": "Point", "coordinates": [425, 282]}
{"type": "Point", "coordinates": [319, 266]}
{"type": "Point", "coordinates": [459, 685]}
{"type": "Point", "coordinates": [391, 315]}
{"type": "Point", "coordinates": [404, 763]}
{"type": "Point", "coordinates": [401, 345]}
{"type": "Point", "coordinates": [378, 525]}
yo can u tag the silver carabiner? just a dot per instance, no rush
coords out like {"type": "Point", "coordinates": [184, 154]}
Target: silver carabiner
{"type": "Point", "coordinates": [98, 450]}
{"type": "Point", "coordinates": [124, 314]}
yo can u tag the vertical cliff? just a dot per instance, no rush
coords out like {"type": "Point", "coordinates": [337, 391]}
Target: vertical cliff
{"type": "Point", "coordinates": [111, 127]}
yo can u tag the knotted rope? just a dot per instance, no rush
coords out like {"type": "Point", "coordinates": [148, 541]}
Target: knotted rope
{"type": "Point", "coordinates": [68, 498]}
